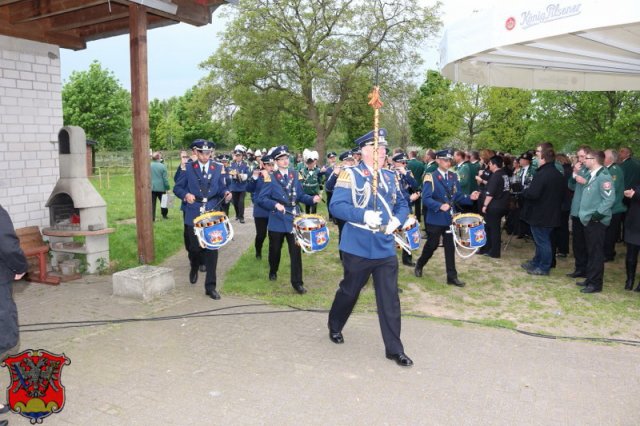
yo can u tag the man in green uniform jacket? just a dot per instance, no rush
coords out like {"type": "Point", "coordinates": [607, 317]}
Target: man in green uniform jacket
{"type": "Point", "coordinates": [576, 184]}
{"type": "Point", "coordinates": [594, 213]}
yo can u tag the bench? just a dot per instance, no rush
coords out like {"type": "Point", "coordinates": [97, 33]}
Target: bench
{"type": "Point", "coordinates": [33, 246]}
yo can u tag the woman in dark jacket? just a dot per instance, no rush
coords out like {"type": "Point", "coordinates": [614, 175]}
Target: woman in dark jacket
{"type": "Point", "coordinates": [13, 265]}
{"type": "Point", "coordinates": [632, 235]}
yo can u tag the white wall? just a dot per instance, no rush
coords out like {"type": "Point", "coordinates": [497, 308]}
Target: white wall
{"type": "Point", "coordinates": [30, 118]}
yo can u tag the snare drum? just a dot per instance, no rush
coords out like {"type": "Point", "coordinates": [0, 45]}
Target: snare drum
{"type": "Point", "coordinates": [213, 230]}
{"type": "Point", "coordinates": [408, 237]}
{"type": "Point", "coordinates": [468, 230]}
{"type": "Point", "coordinates": [312, 234]}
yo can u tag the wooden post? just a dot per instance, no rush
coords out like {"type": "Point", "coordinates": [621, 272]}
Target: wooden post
{"type": "Point", "coordinates": [140, 121]}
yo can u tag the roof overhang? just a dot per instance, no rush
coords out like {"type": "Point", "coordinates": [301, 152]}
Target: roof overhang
{"type": "Point", "coordinates": [72, 23]}
{"type": "Point", "coordinates": [563, 45]}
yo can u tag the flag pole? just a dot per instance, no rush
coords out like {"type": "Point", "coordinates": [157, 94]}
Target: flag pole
{"type": "Point", "coordinates": [376, 104]}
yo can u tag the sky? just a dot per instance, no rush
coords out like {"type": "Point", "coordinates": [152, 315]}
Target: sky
{"type": "Point", "coordinates": [174, 52]}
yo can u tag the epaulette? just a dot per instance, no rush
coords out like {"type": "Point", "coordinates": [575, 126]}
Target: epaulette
{"type": "Point", "coordinates": [267, 179]}
{"type": "Point", "coordinates": [344, 179]}
{"type": "Point", "coordinates": [428, 177]}
{"type": "Point", "coordinates": [222, 169]}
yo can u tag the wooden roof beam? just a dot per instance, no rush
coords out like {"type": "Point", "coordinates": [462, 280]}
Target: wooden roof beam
{"type": "Point", "coordinates": [33, 10]}
{"type": "Point", "coordinates": [194, 12]}
{"type": "Point", "coordinates": [87, 17]}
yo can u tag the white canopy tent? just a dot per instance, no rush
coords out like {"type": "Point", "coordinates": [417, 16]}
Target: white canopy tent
{"type": "Point", "coordinates": [564, 45]}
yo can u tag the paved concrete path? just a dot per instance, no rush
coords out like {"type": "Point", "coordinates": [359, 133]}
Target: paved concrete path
{"type": "Point", "coordinates": [243, 362]}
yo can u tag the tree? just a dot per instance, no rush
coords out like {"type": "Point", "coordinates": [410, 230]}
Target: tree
{"type": "Point", "coordinates": [436, 111]}
{"type": "Point", "coordinates": [508, 119]}
{"type": "Point", "coordinates": [95, 101]}
{"type": "Point", "coordinates": [313, 50]}
{"type": "Point", "coordinates": [598, 119]}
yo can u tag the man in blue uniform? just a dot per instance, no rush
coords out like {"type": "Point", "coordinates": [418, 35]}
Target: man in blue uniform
{"type": "Point", "coordinates": [440, 194]}
{"type": "Point", "coordinates": [238, 172]}
{"type": "Point", "coordinates": [201, 187]}
{"type": "Point", "coordinates": [260, 215]}
{"type": "Point", "coordinates": [280, 196]}
{"type": "Point", "coordinates": [368, 248]}
{"type": "Point", "coordinates": [410, 191]}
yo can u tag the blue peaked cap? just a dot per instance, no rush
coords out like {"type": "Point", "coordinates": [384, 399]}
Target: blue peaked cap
{"type": "Point", "coordinates": [446, 154]}
{"type": "Point", "coordinates": [367, 139]}
{"type": "Point", "coordinates": [203, 145]}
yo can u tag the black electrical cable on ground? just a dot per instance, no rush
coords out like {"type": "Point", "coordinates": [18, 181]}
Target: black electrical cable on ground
{"type": "Point", "coordinates": [25, 328]}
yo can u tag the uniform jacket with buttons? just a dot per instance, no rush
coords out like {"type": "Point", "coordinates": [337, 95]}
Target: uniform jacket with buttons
{"type": "Point", "coordinates": [283, 188]}
{"type": "Point", "coordinates": [209, 185]}
{"type": "Point", "coordinates": [356, 240]}
{"type": "Point", "coordinates": [598, 196]}
{"type": "Point", "coordinates": [436, 192]}
{"type": "Point", "coordinates": [235, 169]}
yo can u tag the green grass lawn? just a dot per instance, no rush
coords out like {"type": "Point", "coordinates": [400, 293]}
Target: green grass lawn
{"type": "Point", "coordinates": [498, 291]}
{"type": "Point", "coordinates": [120, 197]}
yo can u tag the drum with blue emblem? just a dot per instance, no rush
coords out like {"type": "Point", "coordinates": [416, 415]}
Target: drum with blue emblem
{"type": "Point", "coordinates": [213, 230]}
{"type": "Point", "coordinates": [312, 234]}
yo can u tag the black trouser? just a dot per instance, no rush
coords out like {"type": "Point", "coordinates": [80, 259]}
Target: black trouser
{"type": "Point", "coordinates": [357, 271]}
{"type": "Point", "coordinates": [632, 261]}
{"type": "Point", "coordinates": [295, 255]}
{"type": "Point", "coordinates": [493, 222]}
{"type": "Point", "coordinates": [340, 224]}
{"type": "Point", "coordinates": [560, 235]}
{"type": "Point", "coordinates": [311, 209]}
{"type": "Point", "coordinates": [329, 195]}
{"type": "Point", "coordinates": [8, 319]}
{"type": "Point", "coordinates": [594, 234]}
{"type": "Point", "coordinates": [237, 198]}
{"type": "Point", "coordinates": [198, 256]}
{"type": "Point", "coordinates": [417, 208]}
{"type": "Point", "coordinates": [611, 237]}
{"type": "Point", "coordinates": [261, 233]}
{"type": "Point", "coordinates": [579, 245]}
{"type": "Point", "coordinates": [158, 196]}
{"type": "Point", "coordinates": [434, 232]}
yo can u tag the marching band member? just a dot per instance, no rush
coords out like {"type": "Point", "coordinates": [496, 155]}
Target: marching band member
{"type": "Point", "coordinates": [260, 215]}
{"type": "Point", "coordinates": [202, 188]}
{"type": "Point", "coordinates": [280, 195]}
{"type": "Point", "coordinates": [410, 191]}
{"type": "Point", "coordinates": [440, 193]}
{"type": "Point", "coordinates": [367, 248]}
{"type": "Point", "coordinates": [238, 171]}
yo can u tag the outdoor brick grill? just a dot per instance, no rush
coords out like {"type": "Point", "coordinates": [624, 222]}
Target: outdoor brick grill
{"type": "Point", "coordinates": [76, 209]}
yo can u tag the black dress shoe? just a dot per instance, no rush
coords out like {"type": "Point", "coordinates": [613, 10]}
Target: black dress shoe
{"type": "Point", "coordinates": [300, 289]}
{"type": "Point", "coordinates": [202, 268]}
{"type": "Point", "coordinates": [273, 276]}
{"type": "Point", "coordinates": [213, 294]}
{"type": "Point", "coordinates": [409, 263]}
{"type": "Point", "coordinates": [401, 359]}
{"type": "Point", "coordinates": [590, 289]}
{"type": "Point", "coordinates": [456, 282]}
{"type": "Point", "coordinates": [336, 337]}
{"type": "Point", "coordinates": [242, 220]}
{"type": "Point", "coordinates": [527, 265]}
{"type": "Point", "coordinates": [536, 271]}
{"type": "Point", "coordinates": [5, 409]}
{"type": "Point", "coordinates": [258, 256]}
{"type": "Point", "coordinates": [577, 274]}
{"type": "Point", "coordinates": [417, 272]}
{"type": "Point", "coordinates": [581, 283]}
{"type": "Point", "coordinates": [193, 275]}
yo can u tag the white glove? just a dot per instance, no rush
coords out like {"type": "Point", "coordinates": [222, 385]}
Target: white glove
{"type": "Point", "coordinates": [393, 224]}
{"type": "Point", "coordinates": [372, 218]}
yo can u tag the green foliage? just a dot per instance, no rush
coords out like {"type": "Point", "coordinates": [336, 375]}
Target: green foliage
{"type": "Point", "coordinates": [513, 120]}
{"type": "Point", "coordinates": [508, 121]}
{"type": "Point", "coordinates": [598, 119]}
{"type": "Point", "coordinates": [95, 101]}
{"type": "Point", "coordinates": [312, 52]}
{"type": "Point", "coordinates": [433, 114]}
